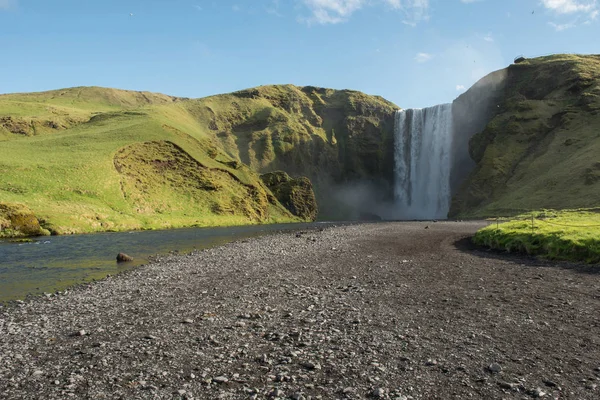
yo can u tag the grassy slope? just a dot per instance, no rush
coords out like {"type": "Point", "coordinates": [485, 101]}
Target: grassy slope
{"type": "Point", "coordinates": [541, 150]}
{"type": "Point", "coordinates": [67, 176]}
{"type": "Point", "coordinates": [95, 159]}
{"type": "Point", "coordinates": [565, 235]}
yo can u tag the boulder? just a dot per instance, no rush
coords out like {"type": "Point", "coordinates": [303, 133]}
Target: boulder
{"type": "Point", "coordinates": [122, 257]}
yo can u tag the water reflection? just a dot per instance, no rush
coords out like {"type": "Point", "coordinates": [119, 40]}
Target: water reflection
{"type": "Point", "coordinates": [54, 263]}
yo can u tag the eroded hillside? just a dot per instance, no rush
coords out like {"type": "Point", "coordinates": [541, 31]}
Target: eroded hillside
{"type": "Point", "coordinates": [95, 159]}
{"type": "Point", "coordinates": [541, 149]}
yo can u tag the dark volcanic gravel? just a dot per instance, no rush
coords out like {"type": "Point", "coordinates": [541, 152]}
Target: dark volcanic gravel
{"type": "Point", "coordinates": [388, 310]}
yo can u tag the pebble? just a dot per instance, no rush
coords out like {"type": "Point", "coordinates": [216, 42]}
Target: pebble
{"type": "Point", "coordinates": [188, 321]}
{"type": "Point", "coordinates": [311, 365]}
{"type": "Point", "coordinates": [276, 393]}
{"type": "Point", "coordinates": [537, 393]}
{"type": "Point", "coordinates": [495, 368]}
{"type": "Point", "coordinates": [220, 379]}
{"type": "Point", "coordinates": [378, 393]}
{"type": "Point", "coordinates": [506, 385]}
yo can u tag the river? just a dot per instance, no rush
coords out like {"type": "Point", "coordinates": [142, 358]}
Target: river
{"type": "Point", "coordinates": [53, 263]}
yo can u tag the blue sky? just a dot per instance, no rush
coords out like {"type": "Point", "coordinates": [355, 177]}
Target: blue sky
{"type": "Point", "coordinates": [416, 53]}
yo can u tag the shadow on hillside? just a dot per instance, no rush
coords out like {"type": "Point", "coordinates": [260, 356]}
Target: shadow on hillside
{"type": "Point", "coordinates": [466, 245]}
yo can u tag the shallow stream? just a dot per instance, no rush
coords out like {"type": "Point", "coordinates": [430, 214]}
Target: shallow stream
{"type": "Point", "coordinates": [52, 263]}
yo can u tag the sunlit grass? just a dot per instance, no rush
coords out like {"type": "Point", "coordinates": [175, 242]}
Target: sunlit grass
{"type": "Point", "coordinates": [67, 177]}
{"type": "Point", "coordinates": [571, 235]}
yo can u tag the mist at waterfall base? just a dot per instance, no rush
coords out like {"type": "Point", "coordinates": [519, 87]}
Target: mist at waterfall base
{"type": "Point", "coordinates": [431, 159]}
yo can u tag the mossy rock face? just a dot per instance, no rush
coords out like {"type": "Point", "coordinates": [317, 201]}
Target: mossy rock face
{"type": "Point", "coordinates": [296, 195]}
{"type": "Point", "coordinates": [333, 137]}
{"type": "Point", "coordinates": [16, 220]}
{"type": "Point", "coordinates": [540, 147]}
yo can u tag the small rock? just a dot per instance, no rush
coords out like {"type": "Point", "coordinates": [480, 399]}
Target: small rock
{"type": "Point", "coordinates": [297, 396]}
{"type": "Point", "coordinates": [431, 363]}
{"type": "Point", "coordinates": [537, 393]}
{"type": "Point", "coordinates": [276, 393]}
{"type": "Point", "coordinates": [311, 365]}
{"type": "Point", "coordinates": [188, 321]}
{"type": "Point", "coordinates": [378, 393]}
{"type": "Point", "coordinates": [550, 383]}
{"type": "Point", "coordinates": [80, 333]}
{"type": "Point", "coordinates": [494, 368]}
{"type": "Point", "coordinates": [181, 392]}
{"type": "Point", "coordinates": [506, 385]}
{"type": "Point", "coordinates": [37, 373]}
{"type": "Point", "coordinates": [220, 379]}
{"type": "Point", "coordinates": [122, 257]}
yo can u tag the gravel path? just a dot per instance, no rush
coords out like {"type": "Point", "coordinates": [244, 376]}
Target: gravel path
{"type": "Point", "coordinates": [387, 310]}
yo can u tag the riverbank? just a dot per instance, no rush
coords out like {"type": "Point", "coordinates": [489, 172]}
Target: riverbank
{"type": "Point", "coordinates": [52, 264]}
{"type": "Point", "coordinates": [388, 310]}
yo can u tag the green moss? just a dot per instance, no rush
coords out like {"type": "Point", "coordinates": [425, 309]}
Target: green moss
{"type": "Point", "coordinates": [16, 220]}
{"type": "Point", "coordinates": [296, 195]}
{"type": "Point", "coordinates": [540, 149]}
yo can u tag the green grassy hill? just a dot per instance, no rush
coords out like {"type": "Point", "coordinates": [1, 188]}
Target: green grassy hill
{"type": "Point", "coordinates": [541, 149]}
{"type": "Point", "coordinates": [94, 159]}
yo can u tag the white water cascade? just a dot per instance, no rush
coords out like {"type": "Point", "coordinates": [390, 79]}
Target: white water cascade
{"type": "Point", "coordinates": [422, 145]}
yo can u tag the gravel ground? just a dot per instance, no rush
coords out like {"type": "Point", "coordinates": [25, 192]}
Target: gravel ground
{"type": "Point", "coordinates": [387, 310]}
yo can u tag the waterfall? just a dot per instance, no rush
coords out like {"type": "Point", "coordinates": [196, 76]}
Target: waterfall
{"type": "Point", "coordinates": [422, 147]}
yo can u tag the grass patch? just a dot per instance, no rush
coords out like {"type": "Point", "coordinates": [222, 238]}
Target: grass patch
{"type": "Point", "coordinates": [570, 235]}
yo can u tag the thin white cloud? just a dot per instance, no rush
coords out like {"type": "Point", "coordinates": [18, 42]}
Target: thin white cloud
{"type": "Point", "coordinates": [469, 1]}
{"type": "Point", "coordinates": [7, 4]}
{"type": "Point", "coordinates": [332, 11]}
{"type": "Point", "coordinates": [273, 9]}
{"type": "Point", "coordinates": [336, 11]}
{"type": "Point", "coordinates": [197, 7]}
{"type": "Point", "coordinates": [488, 38]}
{"type": "Point", "coordinates": [460, 88]}
{"type": "Point", "coordinates": [423, 57]}
{"type": "Point", "coordinates": [561, 27]}
{"type": "Point", "coordinates": [570, 6]}
{"type": "Point", "coordinates": [580, 12]}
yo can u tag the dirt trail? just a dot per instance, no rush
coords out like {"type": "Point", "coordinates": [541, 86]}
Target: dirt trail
{"type": "Point", "coordinates": [387, 310]}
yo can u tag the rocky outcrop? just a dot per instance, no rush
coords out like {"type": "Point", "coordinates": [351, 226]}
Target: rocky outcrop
{"type": "Point", "coordinates": [540, 147]}
{"type": "Point", "coordinates": [336, 138]}
{"type": "Point", "coordinates": [296, 195]}
{"type": "Point", "coordinates": [17, 220]}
